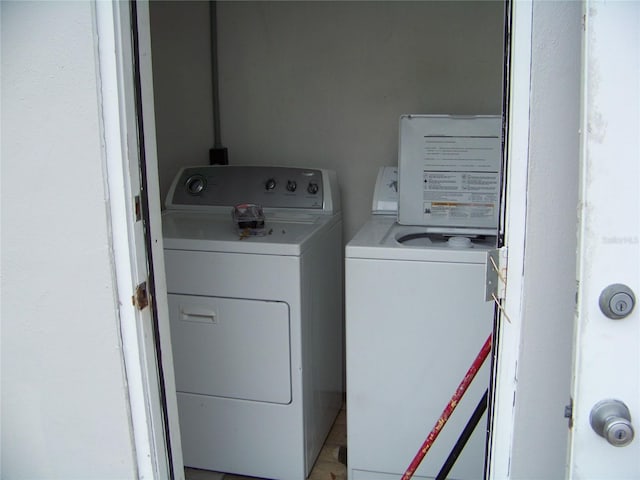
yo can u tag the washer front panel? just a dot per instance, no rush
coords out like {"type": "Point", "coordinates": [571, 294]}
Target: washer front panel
{"type": "Point", "coordinates": [411, 334]}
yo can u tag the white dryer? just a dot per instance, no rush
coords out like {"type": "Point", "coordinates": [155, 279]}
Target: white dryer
{"type": "Point", "coordinates": [416, 315]}
{"type": "Point", "coordinates": [256, 320]}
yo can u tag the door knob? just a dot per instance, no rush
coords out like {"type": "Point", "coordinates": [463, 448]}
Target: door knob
{"type": "Point", "coordinates": [611, 419]}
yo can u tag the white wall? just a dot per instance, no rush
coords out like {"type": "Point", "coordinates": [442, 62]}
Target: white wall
{"type": "Point", "coordinates": [320, 83]}
{"type": "Point", "coordinates": [65, 409]}
{"type": "Point", "coordinates": [64, 404]}
{"type": "Point", "coordinates": [549, 286]}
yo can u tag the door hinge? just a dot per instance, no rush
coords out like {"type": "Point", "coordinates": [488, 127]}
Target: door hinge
{"type": "Point", "coordinates": [568, 412]}
{"type": "Point", "coordinates": [140, 297]}
{"type": "Point", "coordinates": [496, 274]}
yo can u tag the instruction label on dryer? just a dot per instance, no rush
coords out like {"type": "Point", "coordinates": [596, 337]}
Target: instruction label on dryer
{"type": "Point", "coordinates": [461, 176]}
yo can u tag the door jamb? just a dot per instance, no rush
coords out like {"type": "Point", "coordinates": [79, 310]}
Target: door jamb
{"type": "Point", "coordinates": [509, 332]}
{"type": "Point", "coordinates": [113, 33]}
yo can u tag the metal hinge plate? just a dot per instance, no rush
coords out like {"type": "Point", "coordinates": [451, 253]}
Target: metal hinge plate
{"type": "Point", "coordinates": [496, 274]}
{"type": "Point", "coordinates": [140, 298]}
{"type": "Point", "coordinates": [138, 208]}
{"type": "Point", "coordinates": [568, 412]}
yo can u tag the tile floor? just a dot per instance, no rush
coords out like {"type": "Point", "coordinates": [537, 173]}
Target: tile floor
{"type": "Point", "coordinates": [330, 464]}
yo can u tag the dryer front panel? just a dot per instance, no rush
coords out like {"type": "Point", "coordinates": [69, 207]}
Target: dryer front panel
{"type": "Point", "coordinates": [231, 347]}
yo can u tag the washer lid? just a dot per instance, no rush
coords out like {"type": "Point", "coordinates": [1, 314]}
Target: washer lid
{"type": "Point", "coordinates": [449, 171]}
{"type": "Point", "coordinates": [381, 238]}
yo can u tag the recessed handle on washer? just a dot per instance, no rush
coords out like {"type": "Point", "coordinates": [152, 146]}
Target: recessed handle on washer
{"type": "Point", "coordinates": [198, 314]}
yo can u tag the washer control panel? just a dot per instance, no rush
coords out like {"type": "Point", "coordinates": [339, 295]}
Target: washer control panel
{"type": "Point", "coordinates": [268, 186]}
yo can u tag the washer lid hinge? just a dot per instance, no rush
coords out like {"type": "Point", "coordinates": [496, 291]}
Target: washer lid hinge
{"type": "Point", "coordinates": [496, 274]}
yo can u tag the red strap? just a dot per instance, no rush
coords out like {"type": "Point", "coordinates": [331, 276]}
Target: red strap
{"type": "Point", "coordinates": [446, 413]}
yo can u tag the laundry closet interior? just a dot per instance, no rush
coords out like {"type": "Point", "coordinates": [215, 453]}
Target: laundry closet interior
{"type": "Point", "coordinates": [318, 86]}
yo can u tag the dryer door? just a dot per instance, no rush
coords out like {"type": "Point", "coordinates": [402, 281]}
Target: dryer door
{"type": "Point", "coordinates": [233, 348]}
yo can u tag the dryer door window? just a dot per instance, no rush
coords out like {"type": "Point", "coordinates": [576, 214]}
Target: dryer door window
{"type": "Point", "coordinates": [233, 348]}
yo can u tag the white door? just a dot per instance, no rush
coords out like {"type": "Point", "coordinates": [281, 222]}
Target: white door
{"type": "Point", "coordinates": [607, 343]}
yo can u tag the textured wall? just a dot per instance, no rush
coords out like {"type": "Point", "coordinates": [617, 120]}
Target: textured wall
{"type": "Point", "coordinates": [180, 42]}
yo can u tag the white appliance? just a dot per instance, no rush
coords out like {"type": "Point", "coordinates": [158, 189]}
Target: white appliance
{"type": "Point", "coordinates": [256, 320]}
{"type": "Point", "coordinates": [416, 315]}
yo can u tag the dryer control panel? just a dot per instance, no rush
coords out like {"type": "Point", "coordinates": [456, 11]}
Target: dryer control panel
{"type": "Point", "coordinates": [212, 186]}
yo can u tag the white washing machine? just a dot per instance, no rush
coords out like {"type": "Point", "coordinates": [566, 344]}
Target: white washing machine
{"type": "Point", "coordinates": [416, 315]}
{"type": "Point", "coordinates": [256, 316]}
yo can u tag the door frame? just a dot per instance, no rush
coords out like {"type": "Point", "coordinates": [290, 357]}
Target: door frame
{"type": "Point", "coordinates": [163, 333]}
{"type": "Point", "coordinates": [508, 332]}
{"type": "Point", "coordinates": [147, 353]}
{"type": "Point", "coordinates": [535, 338]}
{"type": "Point", "coordinates": [508, 342]}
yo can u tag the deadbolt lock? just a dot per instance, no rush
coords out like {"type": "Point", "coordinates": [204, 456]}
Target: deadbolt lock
{"type": "Point", "coordinates": [617, 301]}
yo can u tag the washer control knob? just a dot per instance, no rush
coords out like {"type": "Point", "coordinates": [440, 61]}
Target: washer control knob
{"type": "Point", "coordinates": [195, 184]}
{"type": "Point", "coordinates": [270, 184]}
{"type": "Point", "coordinates": [291, 185]}
{"type": "Point", "coordinates": [313, 188]}
{"type": "Point", "coordinates": [611, 419]}
{"type": "Point", "coordinates": [617, 301]}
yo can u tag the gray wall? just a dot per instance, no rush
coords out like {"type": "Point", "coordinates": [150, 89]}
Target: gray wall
{"type": "Point", "coordinates": [65, 409]}
{"type": "Point", "coordinates": [180, 41]}
{"type": "Point", "coordinates": [322, 83]}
